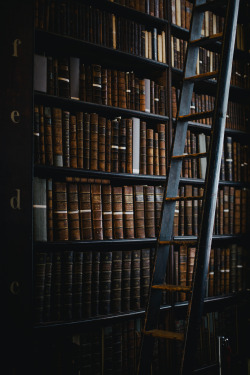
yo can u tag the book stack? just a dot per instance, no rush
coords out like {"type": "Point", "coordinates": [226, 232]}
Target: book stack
{"type": "Point", "coordinates": [154, 8]}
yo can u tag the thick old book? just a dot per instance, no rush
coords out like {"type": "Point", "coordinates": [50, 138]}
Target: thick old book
{"type": "Point", "coordinates": [107, 211]}
{"type": "Point", "coordinates": [94, 141]}
{"type": "Point", "coordinates": [79, 137]}
{"type": "Point", "coordinates": [77, 284]}
{"type": "Point", "coordinates": [108, 149]}
{"type": "Point", "coordinates": [159, 192]}
{"type": "Point", "coordinates": [150, 151]}
{"type": "Point", "coordinates": [105, 282]}
{"type": "Point", "coordinates": [126, 279]}
{"type": "Point", "coordinates": [149, 199]}
{"type": "Point", "coordinates": [39, 209]}
{"type": "Point", "coordinates": [63, 77]}
{"type": "Point", "coordinates": [49, 209]}
{"type": "Point", "coordinates": [48, 136]}
{"type": "Point", "coordinates": [60, 211]}
{"type": "Point", "coordinates": [87, 284]}
{"type": "Point", "coordinates": [145, 276]}
{"type": "Point", "coordinates": [95, 283]}
{"type": "Point", "coordinates": [73, 212]}
{"type": "Point", "coordinates": [73, 141]}
{"type": "Point", "coordinates": [96, 206]}
{"type": "Point", "coordinates": [143, 148]}
{"type": "Point", "coordinates": [85, 212]}
{"type": "Point", "coordinates": [129, 145]}
{"type": "Point", "coordinates": [139, 211]}
{"type": "Point", "coordinates": [136, 145]}
{"type": "Point", "coordinates": [116, 282]}
{"type": "Point", "coordinates": [115, 146]}
{"type": "Point", "coordinates": [122, 146]}
{"type": "Point", "coordinates": [101, 143]}
{"type": "Point", "coordinates": [135, 280]}
{"type": "Point", "coordinates": [128, 212]}
{"type": "Point", "coordinates": [66, 138]}
{"type": "Point", "coordinates": [67, 285]}
{"type": "Point", "coordinates": [117, 212]}
{"type": "Point", "coordinates": [86, 141]}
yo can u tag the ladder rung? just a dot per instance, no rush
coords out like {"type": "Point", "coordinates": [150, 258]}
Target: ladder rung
{"type": "Point", "coordinates": [165, 334]}
{"type": "Point", "coordinates": [202, 77]}
{"type": "Point", "coordinates": [196, 116]}
{"type": "Point", "coordinates": [173, 288]}
{"type": "Point", "coordinates": [210, 5]}
{"type": "Point", "coordinates": [206, 40]}
{"type": "Point", "coordinates": [178, 242]}
{"type": "Point", "coordinates": [184, 198]}
{"type": "Point", "coordinates": [190, 156]}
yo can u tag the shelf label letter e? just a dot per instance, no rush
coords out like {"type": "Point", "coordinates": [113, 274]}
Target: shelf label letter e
{"type": "Point", "coordinates": [16, 43]}
{"type": "Point", "coordinates": [15, 117]}
{"type": "Point", "coordinates": [15, 201]}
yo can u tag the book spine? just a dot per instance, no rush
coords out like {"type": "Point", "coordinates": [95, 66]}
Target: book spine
{"type": "Point", "coordinates": [107, 211]}
{"type": "Point", "coordinates": [139, 211]}
{"type": "Point", "coordinates": [126, 279]}
{"type": "Point", "coordinates": [149, 198]}
{"type": "Point", "coordinates": [85, 212]}
{"type": "Point", "coordinates": [122, 148]}
{"type": "Point", "coordinates": [77, 284]}
{"type": "Point", "coordinates": [128, 212]}
{"type": "Point", "coordinates": [60, 211]}
{"type": "Point", "coordinates": [94, 141]}
{"type": "Point", "coordinates": [129, 145]}
{"type": "Point", "coordinates": [73, 141]}
{"type": "Point", "coordinates": [101, 143]}
{"type": "Point", "coordinates": [40, 209]}
{"type": "Point", "coordinates": [143, 147]}
{"type": "Point", "coordinates": [79, 137]}
{"type": "Point", "coordinates": [87, 284]}
{"type": "Point", "coordinates": [105, 282]}
{"type": "Point", "coordinates": [115, 146]}
{"type": "Point", "coordinates": [96, 205]}
{"type": "Point", "coordinates": [73, 212]}
{"type": "Point", "coordinates": [116, 281]}
{"type": "Point", "coordinates": [117, 212]}
{"type": "Point", "coordinates": [135, 280]}
{"type": "Point", "coordinates": [67, 284]}
{"type": "Point", "coordinates": [95, 289]}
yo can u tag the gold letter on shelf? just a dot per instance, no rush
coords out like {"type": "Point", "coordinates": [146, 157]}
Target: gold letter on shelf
{"type": "Point", "coordinates": [16, 43]}
{"type": "Point", "coordinates": [15, 117]}
{"type": "Point", "coordinates": [15, 201]}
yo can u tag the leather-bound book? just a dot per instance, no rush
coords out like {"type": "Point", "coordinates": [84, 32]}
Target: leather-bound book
{"type": "Point", "coordinates": [116, 281]}
{"type": "Point", "coordinates": [122, 146]}
{"type": "Point", "coordinates": [117, 212]}
{"type": "Point", "coordinates": [239, 269]}
{"type": "Point", "coordinates": [40, 209]}
{"type": "Point", "coordinates": [129, 145]}
{"type": "Point", "coordinates": [88, 83]}
{"type": "Point", "coordinates": [104, 90]}
{"type": "Point", "coordinates": [86, 284]}
{"type": "Point", "coordinates": [229, 158]}
{"type": "Point", "coordinates": [73, 141]}
{"type": "Point", "coordinates": [156, 98]}
{"type": "Point", "coordinates": [233, 263]}
{"type": "Point", "coordinates": [57, 286]}
{"type": "Point", "coordinates": [109, 87]}
{"type": "Point", "coordinates": [193, 151]}
{"type": "Point", "coordinates": [101, 143]}
{"type": "Point", "coordinates": [195, 212]}
{"type": "Point", "coordinates": [94, 141]}
{"type": "Point", "coordinates": [49, 210]}
{"type": "Point", "coordinates": [136, 145]}
{"type": "Point", "coordinates": [41, 135]}
{"type": "Point", "coordinates": [188, 211]}
{"type": "Point", "coordinates": [79, 137]}
{"type": "Point", "coordinates": [227, 270]}
{"type": "Point", "coordinates": [107, 211]}
{"type": "Point", "coordinates": [150, 151]}
{"type": "Point", "coordinates": [128, 212]}
{"type": "Point", "coordinates": [217, 273]}
{"type": "Point", "coordinates": [159, 192]}
{"type": "Point", "coordinates": [86, 141]}
{"type": "Point", "coordinates": [97, 83]}
{"type": "Point", "coordinates": [145, 276]}
{"type": "Point", "coordinates": [77, 284]}
{"type": "Point", "coordinates": [226, 212]}
{"type": "Point", "coordinates": [222, 167]}
{"type": "Point", "coordinates": [135, 280]}
{"type": "Point", "coordinates": [182, 212]}
{"type": "Point", "coordinates": [221, 212]}
{"type": "Point", "coordinates": [211, 274]}
{"type": "Point", "coordinates": [139, 211]}
{"type": "Point", "coordinates": [95, 283]}
{"type": "Point", "coordinates": [82, 83]}
{"type": "Point", "coordinates": [48, 288]}
{"type": "Point", "coordinates": [143, 147]}
{"type": "Point", "coordinates": [108, 151]}
{"type": "Point", "coordinates": [128, 90]}
{"type": "Point", "coordinates": [63, 77]}
{"type": "Point", "coordinates": [189, 164]}
{"type": "Point", "coordinates": [183, 270]}
{"type": "Point", "coordinates": [149, 198]}
{"type": "Point", "coordinates": [50, 76]}
{"type": "Point", "coordinates": [96, 206]}
{"type": "Point", "coordinates": [67, 284]}
{"type": "Point", "coordinates": [161, 128]}
{"type": "Point", "coordinates": [36, 134]}
{"type": "Point", "coordinates": [126, 279]}
{"type": "Point", "coordinates": [176, 219]}
{"type": "Point", "coordinates": [39, 286]}
{"type": "Point", "coordinates": [244, 210]}
{"type": "Point", "coordinates": [154, 44]}
{"type": "Point", "coordinates": [114, 87]}
{"type": "Point", "coordinates": [66, 138]}
{"type": "Point", "coordinates": [48, 137]}
{"type": "Point", "coordinates": [114, 145]}
{"type": "Point", "coordinates": [137, 94]}
{"type": "Point", "coordinates": [105, 282]}
{"type": "Point", "coordinates": [132, 89]}
{"type": "Point", "coordinates": [156, 154]}
{"type": "Point", "coordinates": [60, 211]}
{"type": "Point", "coordinates": [142, 95]}
{"type": "Point", "coordinates": [85, 212]}
{"type": "Point", "coordinates": [191, 251]}
{"type": "Point", "coordinates": [121, 89]}
{"type": "Point", "coordinates": [73, 212]}
{"type": "Point", "coordinates": [222, 271]}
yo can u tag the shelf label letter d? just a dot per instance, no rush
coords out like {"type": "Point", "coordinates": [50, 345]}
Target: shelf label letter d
{"type": "Point", "coordinates": [15, 201]}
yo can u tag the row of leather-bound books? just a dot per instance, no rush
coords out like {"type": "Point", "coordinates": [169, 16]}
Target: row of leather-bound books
{"type": "Point", "coordinates": [79, 211]}
{"type": "Point", "coordinates": [230, 214]}
{"type": "Point", "coordinates": [93, 142]}
{"type": "Point", "coordinates": [91, 24]}
{"type": "Point", "coordinates": [226, 274]}
{"type": "Point", "coordinates": [208, 61]}
{"type": "Point", "coordinates": [73, 285]}
{"type": "Point", "coordinates": [155, 8]}
{"type": "Point", "coordinates": [69, 77]}
{"type": "Point", "coordinates": [237, 112]}
{"type": "Point", "coordinates": [234, 163]}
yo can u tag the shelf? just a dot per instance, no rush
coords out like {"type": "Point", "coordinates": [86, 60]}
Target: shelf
{"type": "Point", "coordinates": [110, 112]}
{"type": "Point", "coordinates": [207, 129]}
{"type": "Point", "coordinates": [54, 43]}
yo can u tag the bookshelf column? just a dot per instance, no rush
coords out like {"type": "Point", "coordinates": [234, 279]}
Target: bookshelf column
{"type": "Point", "coordinates": [16, 173]}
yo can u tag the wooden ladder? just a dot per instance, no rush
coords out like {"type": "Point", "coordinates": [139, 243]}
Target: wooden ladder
{"type": "Point", "coordinates": [196, 291]}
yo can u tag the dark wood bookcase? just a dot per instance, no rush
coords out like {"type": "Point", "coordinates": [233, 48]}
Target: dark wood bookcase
{"type": "Point", "coordinates": [20, 42]}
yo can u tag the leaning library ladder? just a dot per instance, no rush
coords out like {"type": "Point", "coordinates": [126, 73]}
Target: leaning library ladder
{"type": "Point", "coordinates": [204, 239]}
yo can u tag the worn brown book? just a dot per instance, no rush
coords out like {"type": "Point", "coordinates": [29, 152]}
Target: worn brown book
{"type": "Point", "coordinates": [135, 279]}
{"type": "Point", "coordinates": [94, 141]}
{"type": "Point", "coordinates": [39, 286]}
{"type": "Point", "coordinates": [161, 128]}
{"type": "Point", "coordinates": [156, 154]}
{"type": "Point", "coordinates": [96, 83]}
{"type": "Point", "coordinates": [183, 270]}
{"type": "Point", "coordinates": [149, 198]}
{"type": "Point", "coordinates": [40, 209]}
{"type": "Point", "coordinates": [86, 141]}
{"type": "Point", "coordinates": [57, 286]}
{"type": "Point", "coordinates": [176, 219]}
{"type": "Point", "coordinates": [139, 211]}
{"type": "Point", "coordinates": [114, 145]}
{"type": "Point", "coordinates": [116, 282]}
{"type": "Point", "coordinates": [129, 145]}
{"type": "Point", "coordinates": [122, 146]}
{"type": "Point", "coordinates": [143, 147]}
{"type": "Point", "coordinates": [182, 212]}
{"type": "Point", "coordinates": [121, 89]}
{"type": "Point", "coordinates": [63, 77]}
{"type": "Point", "coordinates": [77, 284]}
{"type": "Point", "coordinates": [105, 282]}
{"type": "Point", "coordinates": [221, 213]}
{"type": "Point", "coordinates": [86, 284]}
{"type": "Point", "coordinates": [101, 143]}
{"type": "Point", "coordinates": [60, 211]}
{"type": "Point", "coordinates": [73, 212]}
{"type": "Point", "coordinates": [108, 150]}
{"type": "Point", "coordinates": [82, 83]}
{"type": "Point", "coordinates": [191, 252]}
{"type": "Point", "coordinates": [128, 212]}
{"type": "Point", "coordinates": [211, 274]}
{"type": "Point", "coordinates": [85, 212]}
{"type": "Point", "coordinates": [142, 95]}
{"type": "Point", "coordinates": [195, 211]}
{"type": "Point", "coordinates": [79, 137]}
{"type": "Point", "coordinates": [145, 276]}
{"type": "Point", "coordinates": [96, 206]}
{"type": "Point", "coordinates": [73, 141]}
{"type": "Point", "coordinates": [48, 138]}
{"type": "Point", "coordinates": [227, 270]}
{"type": "Point", "coordinates": [67, 285]}
{"type": "Point", "coordinates": [226, 212]}
{"type": "Point", "coordinates": [126, 279]}
{"type": "Point", "coordinates": [222, 271]}
{"type": "Point", "coordinates": [95, 283]}
{"type": "Point", "coordinates": [117, 212]}
{"type": "Point", "coordinates": [49, 210]}
{"type": "Point", "coordinates": [104, 90]}
{"type": "Point", "coordinates": [159, 192]}
{"type": "Point", "coordinates": [237, 211]}
{"type": "Point", "coordinates": [188, 210]}
{"type": "Point", "coordinates": [41, 135]}
{"type": "Point", "coordinates": [114, 87]}
{"type": "Point", "coordinates": [150, 151]}
{"type": "Point", "coordinates": [107, 211]}
{"type": "Point", "coordinates": [66, 138]}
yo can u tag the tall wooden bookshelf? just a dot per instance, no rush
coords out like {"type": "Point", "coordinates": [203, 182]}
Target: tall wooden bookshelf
{"type": "Point", "coordinates": [82, 340]}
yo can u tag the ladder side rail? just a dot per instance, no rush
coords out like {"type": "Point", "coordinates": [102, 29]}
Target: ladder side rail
{"type": "Point", "coordinates": [212, 180]}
